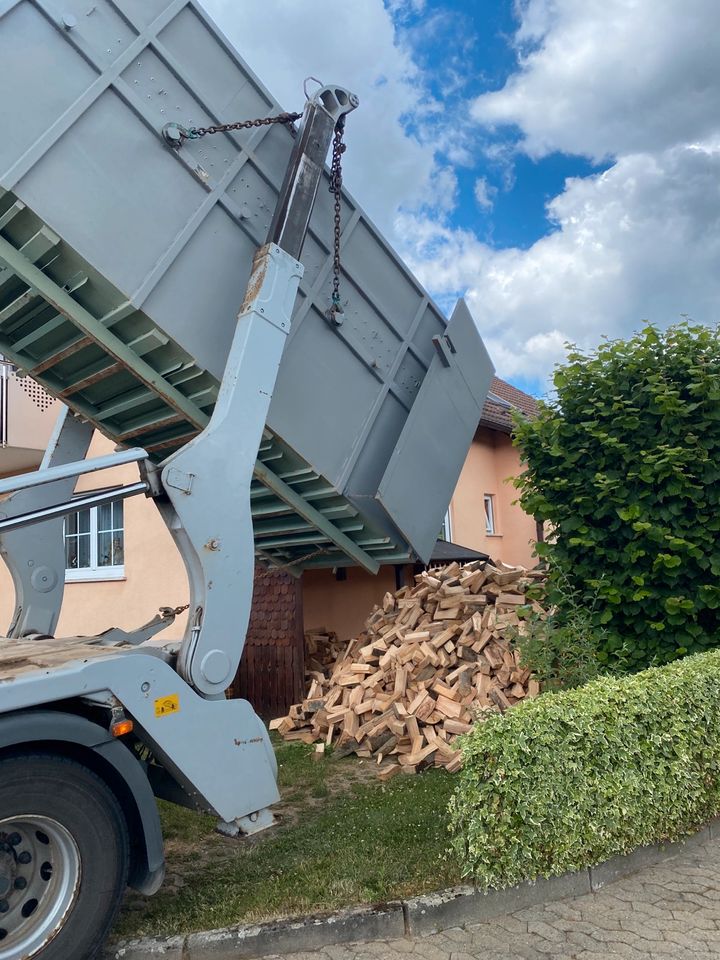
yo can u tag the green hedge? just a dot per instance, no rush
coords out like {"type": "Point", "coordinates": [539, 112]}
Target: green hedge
{"type": "Point", "coordinates": [573, 778]}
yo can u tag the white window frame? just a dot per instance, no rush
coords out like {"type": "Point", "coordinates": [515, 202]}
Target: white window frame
{"type": "Point", "coordinates": [447, 528]}
{"type": "Point", "coordinates": [94, 572]}
{"type": "Point", "coordinates": [490, 518]}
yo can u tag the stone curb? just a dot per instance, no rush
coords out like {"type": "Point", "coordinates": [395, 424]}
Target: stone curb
{"type": "Point", "coordinates": [422, 915]}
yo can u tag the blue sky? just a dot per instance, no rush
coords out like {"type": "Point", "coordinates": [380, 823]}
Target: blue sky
{"type": "Point", "coordinates": [555, 162]}
{"type": "Point", "coordinates": [466, 49]}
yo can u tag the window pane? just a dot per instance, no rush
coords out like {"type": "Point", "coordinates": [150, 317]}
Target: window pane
{"type": "Point", "coordinates": [70, 524]}
{"type": "Point", "coordinates": [104, 549]}
{"type": "Point", "coordinates": [104, 516]}
{"type": "Point", "coordinates": [83, 555]}
{"type": "Point", "coordinates": [83, 521]}
{"type": "Point", "coordinates": [489, 514]}
{"type": "Point", "coordinates": [117, 515]}
{"type": "Point", "coordinates": [118, 548]}
{"type": "Point", "coordinates": [70, 553]}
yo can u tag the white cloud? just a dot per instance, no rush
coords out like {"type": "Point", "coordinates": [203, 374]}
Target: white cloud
{"type": "Point", "coordinates": [354, 44]}
{"type": "Point", "coordinates": [606, 77]}
{"type": "Point", "coordinates": [640, 241]}
{"type": "Point", "coordinates": [484, 193]}
{"type": "Point", "coordinates": [403, 8]}
{"type": "Point", "coordinates": [634, 80]}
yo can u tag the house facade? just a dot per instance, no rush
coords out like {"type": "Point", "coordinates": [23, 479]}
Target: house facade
{"type": "Point", "coordinates": [122, 563]}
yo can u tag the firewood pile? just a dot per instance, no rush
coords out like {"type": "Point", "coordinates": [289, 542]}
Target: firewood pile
{"type": "Point", "coordinates": [322, 649]}
{"type": "Point", "coordinates": [432, 659]}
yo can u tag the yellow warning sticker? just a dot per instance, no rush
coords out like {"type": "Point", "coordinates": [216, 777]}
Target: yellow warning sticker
{"type": "Point", "coordinates": [167, 705]}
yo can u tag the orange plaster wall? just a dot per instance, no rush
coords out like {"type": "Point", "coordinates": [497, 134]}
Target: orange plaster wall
{"type": "Point", "coordinates": [343, 605]}
{"type": "Point", "coordinates": [154, 573]}
{"type": "Point", "coordinates": [491, 460]}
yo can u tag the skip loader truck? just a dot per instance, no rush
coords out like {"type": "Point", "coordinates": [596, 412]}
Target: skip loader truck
{"type": "Point", "coordinates": [323, 425]}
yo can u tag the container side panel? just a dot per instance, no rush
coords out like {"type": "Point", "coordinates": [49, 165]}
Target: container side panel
{"type": "Point", "coordinates": [142, 12]}
{"type": "Point", "coordinates": [252, 199]}
{"type": "Point", "coordinates": [366, 331]}
{"type": "Point", "coordinates": [44, 75]}
{"type": "Point", "coordinates": [323, 396]}
{"type": "Point", "coordinates": [211, 72]}
{"type": "Point", "coordinates": [374, 270]}
{"type": "Point", "coordinates": [429, 455]}
{"type": "Point", "coordinates": [273, 152]}
{"type": "Point", "coordinates": [112, 173]}
{"type": "Point", "coordinates": [99, 31]}
{"type": "Point", "coordinates": [411, 373]}
{"type": "Point", "coordinates": [199, 296]}
{"type": "Point", "coordinates": [370, 464]}
{"type": "Point", "coordinates": [431, 324]}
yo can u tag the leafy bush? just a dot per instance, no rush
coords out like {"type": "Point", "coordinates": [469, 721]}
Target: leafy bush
{"type": "Point", "coordinates": [572, 778]}
{"type": "Point", "coordinates": [625, 465]}
{"type": "Point", "coordinates": [561, 648]}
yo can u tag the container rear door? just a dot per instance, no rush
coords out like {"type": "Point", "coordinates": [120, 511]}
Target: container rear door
{"type": "Point", "coordinates": [424, 468]}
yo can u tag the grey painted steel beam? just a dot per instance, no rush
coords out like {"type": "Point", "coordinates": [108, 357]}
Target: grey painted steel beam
{"type": "Point", "coordinates": [296, 200]}
{"type": "Point", "coordinates": [286, 493]}
{"type": "Point", "coordinates": [65, 470]}
{"type": "Point", "coordinates": [94, 329]}
{"type": "Point", "coordinates": [70, 506]}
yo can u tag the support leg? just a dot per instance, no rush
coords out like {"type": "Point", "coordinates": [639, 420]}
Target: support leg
{"type": "Point", "coordinates": [208, 481]}
{"type": "Point", "coordinates": [36, 560]}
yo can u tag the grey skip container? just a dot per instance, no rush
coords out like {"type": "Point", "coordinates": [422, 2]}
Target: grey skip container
{"type": "Point", "coordinates": [123, 264]}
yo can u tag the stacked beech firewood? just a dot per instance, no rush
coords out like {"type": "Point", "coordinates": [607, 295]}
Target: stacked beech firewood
{"type": "Point", "coordinates": [322, 649]}
{"type": "Point", "coordinates": [432, 659]}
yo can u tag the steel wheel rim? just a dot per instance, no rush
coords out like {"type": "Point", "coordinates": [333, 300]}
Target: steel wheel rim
{"type": "Point", "coordinates": [39, 882]}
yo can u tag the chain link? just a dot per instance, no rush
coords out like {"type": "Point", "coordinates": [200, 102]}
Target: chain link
{"type": "Point", "coordinates": [336, 188]}
{"type": "Point", "coordinates": [167, 612]}
{"type": "Point", "coordinates": [194, 133]}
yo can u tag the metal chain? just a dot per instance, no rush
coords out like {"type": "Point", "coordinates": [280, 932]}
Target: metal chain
{"type": "Point", "coordinates": [167, 612]}
{"type": "Point", "coordinates": [194, 133]}
{"type": "Point", "coordinates": [336, 310]}
{"type": "Point", "coordinates": [303, 559]}
{"type": "Point", "coordinates": [178, 133]}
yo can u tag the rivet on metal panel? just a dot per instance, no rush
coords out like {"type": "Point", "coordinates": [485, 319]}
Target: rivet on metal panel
{"type": "Point", "coordinates": [69, 21]}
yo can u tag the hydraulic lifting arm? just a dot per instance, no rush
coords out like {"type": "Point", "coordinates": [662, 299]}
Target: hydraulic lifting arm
{"type": "Point", "coordinates": [207, 482]}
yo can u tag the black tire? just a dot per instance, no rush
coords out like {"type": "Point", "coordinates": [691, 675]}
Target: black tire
{"type": "Point", "coordinates": [69, 794]}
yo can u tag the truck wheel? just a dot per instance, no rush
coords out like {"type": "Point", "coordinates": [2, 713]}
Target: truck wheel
{"type": "Point", "coordinates": [63, 859]}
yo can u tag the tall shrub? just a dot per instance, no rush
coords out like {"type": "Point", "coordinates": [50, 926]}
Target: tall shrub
{"type": "Point", "coordinates": [625, 465]}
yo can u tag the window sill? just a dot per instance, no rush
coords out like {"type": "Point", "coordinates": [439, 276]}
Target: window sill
{"type": "Point", "coordinates": [91, 577]}
{"type": "Point", "coordinates": [494, 536]}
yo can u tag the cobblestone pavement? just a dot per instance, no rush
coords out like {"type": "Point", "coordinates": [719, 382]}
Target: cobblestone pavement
{"type": "Point", "coordinates": [669, 910]}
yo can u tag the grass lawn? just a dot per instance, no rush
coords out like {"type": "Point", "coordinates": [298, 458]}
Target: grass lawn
{"type": "Point", "coordinates": [343, 838]}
